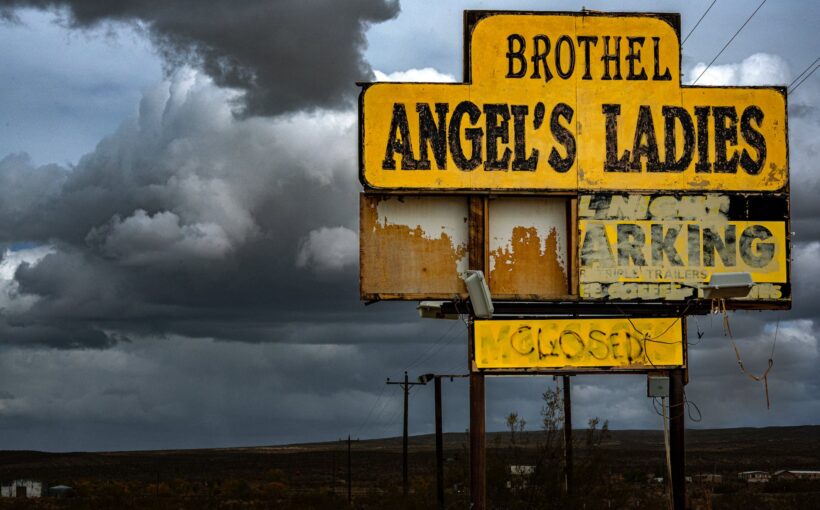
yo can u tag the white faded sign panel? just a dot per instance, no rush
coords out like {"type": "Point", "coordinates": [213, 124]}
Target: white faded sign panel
{"type": "Point", "coordinates": [412, 247]}
{"type": "Point", "coordinates": [528, 249]}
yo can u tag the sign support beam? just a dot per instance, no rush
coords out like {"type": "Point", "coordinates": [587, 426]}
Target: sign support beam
{"type": "Point", "coordinates": [676, 438]}
{"type": "Point", "coordinates": [567, 435]}
{"type": "Point", "coordinates": [478, 472]}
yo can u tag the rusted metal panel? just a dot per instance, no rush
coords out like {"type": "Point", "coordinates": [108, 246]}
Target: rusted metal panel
{"type": "Point", "coordinates": [528, 248]}
{"type": "Point", "coordinates": [412, 247]}
{"type": "Point", "coordinates": [666, 247]}
{"type": "Point", "coordinates": [562, 102]}
{"type": "Point", "coordinates": [578, 345]}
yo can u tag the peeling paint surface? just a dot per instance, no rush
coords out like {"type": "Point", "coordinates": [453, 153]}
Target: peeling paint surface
{"type": "Point", "coordinates": [666, 247]}
{"type": "Point", "coordinates": [571, 344]}
{"type": "Point", "coordinates": [413, 245]}
{"type": "Point", "coordinates": [528, 247]}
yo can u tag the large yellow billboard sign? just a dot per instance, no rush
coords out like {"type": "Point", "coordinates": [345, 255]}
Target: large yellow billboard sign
{"type": "Point", "coordinates": [579, 344]}
{"type": "Point", "coordinates": [567, 102]}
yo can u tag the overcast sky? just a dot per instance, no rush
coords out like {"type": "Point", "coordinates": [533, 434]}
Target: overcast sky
{"type": "Point", "coordinates": [178, 220]}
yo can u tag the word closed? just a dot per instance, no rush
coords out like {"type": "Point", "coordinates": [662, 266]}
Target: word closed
{"type": "Point", "coordinates": [579, 344]}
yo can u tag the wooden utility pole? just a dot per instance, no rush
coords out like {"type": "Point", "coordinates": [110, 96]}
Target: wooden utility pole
{"type": "Point", "coordinates": [477, 223]}
{"type": "Point", "coordinates": [676, 439]}
{"type": "Point", "coordinates": [567, 435]}
{"type": "Point", "coordinates": [406, 387]}
{"type": "Point", "coordinates": [439, 448]}
{"type": "Point", "coordinates": [349, 474]}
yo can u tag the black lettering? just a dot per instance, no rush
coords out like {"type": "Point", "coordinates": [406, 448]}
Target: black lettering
{"type": "Point", "coordinates": [474, 135]}
{"type": "Point", "coordinates": [764, 253]}
{"type": "Point", "coordinates": [399, 141]}
{"type": "Point", "coordinates": [521, 161]}
{"type": "Point", "coordinates": [575, 336]}
{"type": "Point", "coordinates": [702, 114]}
{"type": "Point", "coordinates": [600, 344]}
{"type": "Point", "coordinates": [559, 68]}
{"type": "Point", "coordinates": [631, 241]}
{"type": "Point", "coordinates": [433, 135]}
{"type": "Point", "coordinates": [613, 163]}
{"type": "Point", "coordinates": [724, 134]}
{"type": "Point", "coordinates": [726, 249]}
{"type": "Point", "coordinates": [608, 57]}
{"type": "Point", "coordinates": [563, 136]}
{"type": "Point", "coordinates": [649, 149]}
{"type": "Point", "coordinates": [595, 249]}
{"type": "Point", "coordinates": [671, 116]}
{"type": "Point", "coordinates": [632, 57]}
{"type": "Point", "coordinates": [614, 344]}
{"type": "Point", "coordinates": [516, 55]}
{"type": "Point", "coordinates": [515, 345]}
{"type": "Point", "coordinates": [585, 41]}
{"type": "Point", "coordinates": [540, 59]}
{"type": "Point", "coordinates": [753, 138]}
{"type": "Point", "coordinates": [630, 354]}
{"type": "Point", "coordinates": [666, 76]}
{"type": "Point", "coordinates": [693, 244]}
{"type": "Point", "coordinates": [664, 244]}
{"type": "Point", "coordinates": [497, 131]}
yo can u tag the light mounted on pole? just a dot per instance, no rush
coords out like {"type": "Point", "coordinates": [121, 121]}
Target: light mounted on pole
{"type": "Point", "coordinates": [479, 292]}
{"type": "Point", "coordinates": [728, 285]}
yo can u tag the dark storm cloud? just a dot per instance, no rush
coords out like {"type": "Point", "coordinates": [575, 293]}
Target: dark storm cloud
{"type": "Point", "coordinates": [189, 221]}
{"type": "Point", "coordinates": [286, 55]}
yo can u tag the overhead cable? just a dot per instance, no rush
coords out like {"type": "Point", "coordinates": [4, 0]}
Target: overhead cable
{"type": "Point", "coordinates": [729, 42]}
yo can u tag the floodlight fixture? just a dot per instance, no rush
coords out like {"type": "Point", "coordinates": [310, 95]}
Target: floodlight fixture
{"type": "Point", "coordinates": [426, 378]}
{"type": "Point", "coordinates": [728, 285]}
{"type": "Point", "coordinates": [433, 310]}
{"type": "Point", "coordinates": [479, 293]}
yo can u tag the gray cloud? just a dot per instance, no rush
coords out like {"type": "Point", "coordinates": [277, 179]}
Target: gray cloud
{"type": "Point", "coordinates": [186, 220]}
{"type": "Point", "coordinates": [285, 56]}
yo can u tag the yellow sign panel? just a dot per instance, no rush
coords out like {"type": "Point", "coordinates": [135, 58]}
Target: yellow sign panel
{"type": "Point", "coordinates": [565, 102]}
{"type": "Point", "coordinates": [664, 247]}
{"type": "Point", "coordinates": [579, 344]}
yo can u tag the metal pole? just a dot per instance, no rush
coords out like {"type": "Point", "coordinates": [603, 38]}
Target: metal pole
{"type": "Point", "coordinates": [349, 475]}
{"type": "Point", "coordinates": [439, 448]}
{"type": "Point", "coordinates": [676, 439]}
{"type": "Point", "coordinates": [567, 435]}
{"type": "Point", "coordinates": [404, 440]}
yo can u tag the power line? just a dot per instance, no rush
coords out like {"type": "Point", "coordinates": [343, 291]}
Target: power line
{"type": "Point", "coordinates": [804, 72]}
{"type": "Point", "coordinates": [435, 344]}
{"type": "Point", "coordinates": [804, 79]}
{"type": "Point", "coordinates": [698, 23]}
{"type": "Point", "coordinates": [370, 413]}
{"type": "Point", "coordinates": [729, 42]}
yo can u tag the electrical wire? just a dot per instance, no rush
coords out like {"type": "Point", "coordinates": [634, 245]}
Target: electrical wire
{"type": "Point", "coordinates": [433, 346]}
{"type": "Point", "coordinates": [765, 375]}
{"type": "Point", "coordinates": [803, 80]}
{"type": "Point", "coordinates": [804, 72]}
{"type": "Point", "coordinates": [370, 413]}
{"type": "Point", "coordinates": [698, 23]}
{"type": "Point", "coordinates": [729, 42]}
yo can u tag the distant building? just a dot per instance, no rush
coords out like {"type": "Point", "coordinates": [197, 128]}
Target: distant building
{"type": "Point", "coordinates": [784, 474]}
{"type": "Point", "coordinates": [709, 478]}
{"type": "Point", "coordinates": [60, 491]}
{"type": "Point", "coordinates": [755, 476]}
{"type": "Point", "coordinates": [22, 489]}
{"type": "Point", "coordinates": [518, 476]}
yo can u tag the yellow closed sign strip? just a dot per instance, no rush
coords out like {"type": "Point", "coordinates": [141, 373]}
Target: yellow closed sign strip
{"type": "Point", "coordinates": [567, 344]}
{"type": "Point", "coordinates": [567, 102]}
